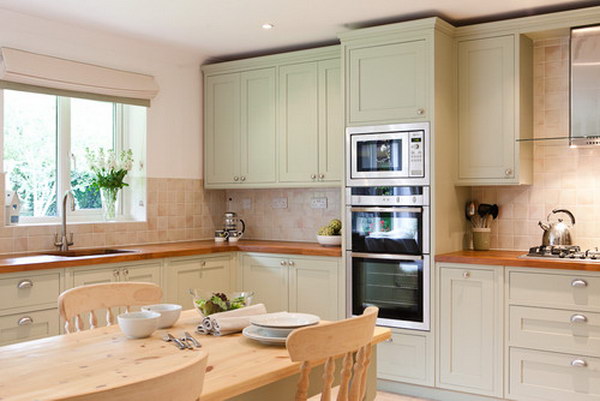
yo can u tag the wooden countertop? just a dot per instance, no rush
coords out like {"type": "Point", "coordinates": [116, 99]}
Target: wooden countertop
{"type": "Point", "coordinates": [39, 261]}
{"type": "Point", "coordinates": [73, 364]}
{"type": "Point", "coordinates": [512, 258]}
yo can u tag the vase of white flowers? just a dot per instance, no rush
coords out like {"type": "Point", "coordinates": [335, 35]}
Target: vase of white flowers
{"type": "Point", "coordinates": [110, 170]}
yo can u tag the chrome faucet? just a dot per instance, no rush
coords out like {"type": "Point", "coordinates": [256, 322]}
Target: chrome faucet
{"type": "Point", "coordinates": [64, 242]}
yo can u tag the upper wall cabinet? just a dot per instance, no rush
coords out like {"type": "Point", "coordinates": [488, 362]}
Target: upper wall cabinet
{"type": "Point", "coordinates": [389, 73]}
{"type": "Point", "coordinates": [494, 110]}
{"type": "Point", "coordinates": [274, 121]}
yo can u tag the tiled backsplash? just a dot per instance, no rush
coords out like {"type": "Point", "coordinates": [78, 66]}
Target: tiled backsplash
{"type": "Point", "coordinates": [563, 177]}
{"type": "Point", "coordinates": [297, 222]}
{"type": "Point", "coordinates": [177, 210]}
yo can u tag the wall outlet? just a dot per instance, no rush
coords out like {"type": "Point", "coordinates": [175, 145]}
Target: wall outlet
{"type": "Point", "coordinates": [318, 203]}
{"type": "Point", "coordinates": [247, 203]}
{"type": "Point", "coordinates": [279, 203]}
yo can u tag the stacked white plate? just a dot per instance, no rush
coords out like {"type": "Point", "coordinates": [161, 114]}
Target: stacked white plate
{"type": "Point", "coordinates": [273, 328]}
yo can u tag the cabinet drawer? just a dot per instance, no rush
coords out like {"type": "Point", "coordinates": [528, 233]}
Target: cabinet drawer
{"type": "Point", "coordinates": [555, 330]}
{"type": "Point", "coordinates": [28, 326]}
{"type": "Point", "coordinates": [538, 375]}
{"type": "Point", "coordinates": [29, 290]}
{"type": "Point", "coordinates": [405, 358]}
{"type": "Point", "coordinates": [560, 290]}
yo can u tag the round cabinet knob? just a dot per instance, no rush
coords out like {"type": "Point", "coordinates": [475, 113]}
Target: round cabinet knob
{"type": "Point", "coordinates": [313, 176]}
{"type": "Point", "coordinates": [23, 284]}
{"type": "Point", "coordinates": [508, 172]}
{"type": "Point", "coordinates": [116, 273]}
{"type": "Point", "coordinates": [579, 283]}
{"type": "Point", "coordinates": [25, 321]}
{"type": "Point", "coordinates": [283, 263]}
{"type": "Point", "coordinates": [467, 274]}
{"type": "Point", "coordinates": [577, 318]}
{"type": "Point", "coordinates": [420, 112]}
{"type": "Point", "coordinates": [579, 363]}
{"type": "Point", "coordinates": [321, 176]}
{"type": "Point", "coordinates": [291, 263]}
{"type": "Point", "coordinates": [125, 272]}
{"type": "Point", "coordinates": [389, 340]}
{"type": "Point", "coordinates": [203, 263]}
{"type": "Point", "coordinates": [243, 178]}
{"type": "Point", "coordinates": [236, 178]}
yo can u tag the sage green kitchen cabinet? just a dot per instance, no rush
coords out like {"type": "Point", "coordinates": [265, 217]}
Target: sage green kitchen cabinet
{"type": "Point", "coordinates": [222, 129]}
{"type": "Point", "coordinates": [387, 82]}
{"type": "Point", "coordinates": [494, 110]}
{"type": "Point", "coordinates": [470, 351]}
{"type": "Point", "coordinates": [407, 358]}
{"type": "Point", "coordinates": [293, 283]}
{"type": "Point", "coordinates": [311, 128]}
{"type": "Point", "coordinates": [204, 274]}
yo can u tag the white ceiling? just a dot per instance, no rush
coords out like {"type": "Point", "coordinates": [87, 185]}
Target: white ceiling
{"type": "Point", "coordinates": [224, 28]}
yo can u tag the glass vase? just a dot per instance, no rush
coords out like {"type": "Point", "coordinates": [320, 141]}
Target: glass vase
{"type": "Point", "coordinates": [109, 198]}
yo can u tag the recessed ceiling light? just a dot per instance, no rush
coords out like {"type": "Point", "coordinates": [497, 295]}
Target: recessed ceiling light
{"type": "Point", "coordinates": [267, 26]}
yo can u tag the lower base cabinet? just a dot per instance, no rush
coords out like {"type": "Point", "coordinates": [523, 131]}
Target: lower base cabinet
{"type": "Point", "coordinates": [406, 358]}
{"type": "Point", "coordinates": [28, 325]}
{"type": "Point", "coordinates": [293, 283]}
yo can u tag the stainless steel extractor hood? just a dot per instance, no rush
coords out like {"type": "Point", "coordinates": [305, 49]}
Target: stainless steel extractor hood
{"type": "Point", "coordinates": [585, 86]}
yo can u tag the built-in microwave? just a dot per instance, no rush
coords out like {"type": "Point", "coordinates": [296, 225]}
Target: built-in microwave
{"type": "Point", "coordinates": [396, 154]}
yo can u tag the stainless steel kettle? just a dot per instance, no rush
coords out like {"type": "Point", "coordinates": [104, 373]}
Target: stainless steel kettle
{"type": "Point", "coordinates": [558, 232]}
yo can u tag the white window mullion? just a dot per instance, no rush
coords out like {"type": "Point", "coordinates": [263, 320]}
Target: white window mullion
{"type": "Point", "coordinates": [63, 178]}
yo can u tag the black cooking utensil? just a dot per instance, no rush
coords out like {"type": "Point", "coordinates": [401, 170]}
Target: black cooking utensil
{"type": "Point", "coordinates": [485, 209]}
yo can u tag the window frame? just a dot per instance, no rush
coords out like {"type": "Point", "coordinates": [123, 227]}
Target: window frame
{"type": "Point", "coordinates": [64, 163]}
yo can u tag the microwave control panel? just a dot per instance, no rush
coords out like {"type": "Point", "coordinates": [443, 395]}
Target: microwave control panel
{"type": "Point", "coordinates": [416, 154]}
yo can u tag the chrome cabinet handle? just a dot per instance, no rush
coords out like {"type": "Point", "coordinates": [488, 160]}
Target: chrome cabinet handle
{"type": "Point", "coordinates": [577, 318]}
{"type": "Point", "coordinates": [236, 178]}
{"type": "Point", "coordinates": [313, 176]}
{"type": "Point", "coordinates": [579, 283]}
{"type": "Point", "coordinates": [420, 111]}
{"type": "Point", "coordinates": [467, 274]}
{"type": "Point", "coordinates": [291, 263]}
{"type": "Point", "coordinates": [508, 172]}
{"type": "Point", "coordinates": [579, 363]}
{"type": "Point", "coordinates": [321, 176]}
{"type": "Point", "coordinates": [25, 321]}
{"type": "Point", "coordinates": [283, 263]}
{"type": "Point", "coordinates": [243, 178]}
{"type": "Point", "coordinates": [25, 284]}
{"type": "Point", "coordinates": [116, 273]}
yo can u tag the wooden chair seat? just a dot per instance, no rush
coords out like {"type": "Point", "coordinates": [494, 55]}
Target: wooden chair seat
{"type": "Point", "coordinates": [350, 338]}
{"type": "Point", "coordinates": [88, 299]}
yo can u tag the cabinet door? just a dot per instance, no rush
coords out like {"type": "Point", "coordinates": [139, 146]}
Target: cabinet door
{"type": "Point", "coordinates": [258, 126]}
{"type": "Point", "coordinates": [222, 128]}
{"type": "Point", "coordinates": [268, 278]}
{"type": "Point", "coordinates": [314, 287]}
{"type": "Point", "coordinates": [470, 332]}
{"type": "Point", "coordinates": [331, 121]}
{"type": "Point", "coordinates": [147, 273]}
{"type": "Point", "coordinates": [298, 123]}
{"type": "Point", "coordinates": [388, 83]}
{"type": "Point", "coordinates": [204, 275]}
{"type": "Point", "coordinates": [486, 108]}
{"type": "Point", "coordinates": [406, 358]}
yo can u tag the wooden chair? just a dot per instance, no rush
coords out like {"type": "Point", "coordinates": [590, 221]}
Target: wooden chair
{"type": "Point", "coordinates": [77, 301]}
{"type": "Point", "coordinates": [350, 338]}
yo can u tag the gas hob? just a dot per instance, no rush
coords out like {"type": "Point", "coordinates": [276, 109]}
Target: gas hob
{"type": "Point", "coordinates": [568, 252]}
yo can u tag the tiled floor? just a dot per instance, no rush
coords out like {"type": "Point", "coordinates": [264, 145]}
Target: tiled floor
{"type": "Point", "coordinates": [381, 396]}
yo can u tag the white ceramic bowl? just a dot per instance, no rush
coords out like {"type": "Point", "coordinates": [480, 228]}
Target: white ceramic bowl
{"type": "Point", "coordinates": [138, 324]}
{"type": "Point", "coordinates": [329, 240]}
{"type": "Point", "coordinates": [169, 313]}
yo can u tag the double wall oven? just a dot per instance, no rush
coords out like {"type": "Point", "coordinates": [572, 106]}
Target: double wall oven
{"type": "Point", "coordinates": [388, 224]}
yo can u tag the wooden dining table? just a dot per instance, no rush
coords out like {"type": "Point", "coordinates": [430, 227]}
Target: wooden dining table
{"type": "Point", "coordinates": [67, 366]}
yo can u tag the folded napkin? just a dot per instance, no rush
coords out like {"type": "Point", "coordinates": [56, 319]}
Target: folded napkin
{"type": "Point", "coordinates": [233, 321]}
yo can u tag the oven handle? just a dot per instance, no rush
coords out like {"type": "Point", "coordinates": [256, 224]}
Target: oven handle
{"type": "Point", "coordinates": [386, 256]}
{"type": "Point", "coordinates": [387, 209]}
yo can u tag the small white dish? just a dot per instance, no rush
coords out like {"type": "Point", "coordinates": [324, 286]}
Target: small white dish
{"type": "Point", "coordinates": [169, 313]}
{"type": "Point", "coordinates": [220, 239]}
{"type": "Point", "coordinates": [273, 332]}
{"type": "Point", "coordinates": [259, 334]}
{"type": "Point", "coordinates": [329, 240]}
{"type": "Point", "coordinates": [138, 324]}
{"type": "Point", "coordinates": [285, 320]}
{"type": "Point", "coordinates": [234, 239]}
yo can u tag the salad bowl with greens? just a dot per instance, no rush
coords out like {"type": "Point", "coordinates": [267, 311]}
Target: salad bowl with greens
{"type": "Point", "coordinates": [207, 303]}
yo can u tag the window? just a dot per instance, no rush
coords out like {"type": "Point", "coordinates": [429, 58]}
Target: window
{"type": "Point", "coordinates": [45, 138]}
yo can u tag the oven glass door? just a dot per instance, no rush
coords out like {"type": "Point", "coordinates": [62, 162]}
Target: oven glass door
{"type": "Point", "coordinates": [399, 287]}
{"type": "Point", "coordinates": [380, 156]}
{"type": "Point", "coordinates": [391, 230]}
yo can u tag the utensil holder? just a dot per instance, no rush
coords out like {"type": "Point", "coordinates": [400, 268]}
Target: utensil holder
{"type": "Point", "coordinates": [481, 239]}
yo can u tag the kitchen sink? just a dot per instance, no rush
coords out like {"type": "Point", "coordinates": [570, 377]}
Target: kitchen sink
{"type": "Point", "coordinates": [76, 253]}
